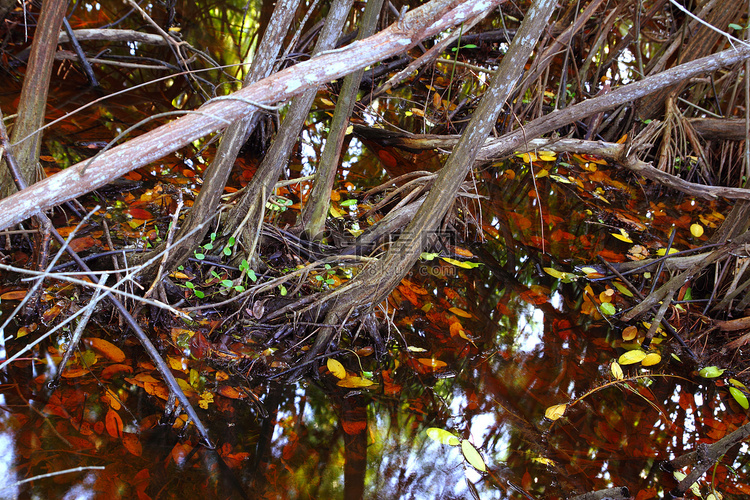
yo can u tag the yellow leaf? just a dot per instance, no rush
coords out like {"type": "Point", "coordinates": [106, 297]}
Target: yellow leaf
{"type": "Point", "coordinates": [460, 312]}
{"type": "Point", "coordinates": [412, 348]}
{"type": "Point", "coordinates": [353, 382]}
{"type": "Point", "coordinates": [325, 101]}
{"type": "Point", "coordinates": [617, 371]}
{"type": "Point", "coordinates": [336, 368]}
{"type": "Point", "coordinates": [555, 412]}
{"type": "Point", "coordinates": [696, 230]}
{"type": "Point", "coordinates": [542, 173]}
{"type": "Point", "coordinates": [528, 157]}
{"type": "Point", "coordinates": [662, 251]}
{"type": "Point", "coordinates": [543, 461]}
{"type": "Point", "coordinates": [623, 236]}
{"type": "Point", "coordinates": [547, 155]}
{"type": "Point", "coordinates": [555, 273]}
{"type": "Point", "coordinates": [457, 263]}
{"type": "Point", "coordinates": [632, 357]}
{"type": "Point", "coordinates": [472, 456]}
{"type": "Point", "coordinates": [651, 359]}
{"type": "Point", "coordinates": [336, 213]}
{"type": "Point", "coordinates": [442, 436]}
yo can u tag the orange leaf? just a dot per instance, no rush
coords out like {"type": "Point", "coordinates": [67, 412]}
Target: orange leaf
{"type": "Point", "coordinates": [229, 392]}
{"type": "Point", "coordinates": [139, 213]}
{"type": "Point", "coordinates": [14, 295]}
{"type": "Point", "coordinates": [113, 422]}
{"type": "Point", "coordinates": [112, 370]}
{"type": "Point", "coordinates": [435, 364]}
{"type": "Point", "coordinates": [106, 349]}
{"type": "Point", "coordinates": [132, 443]}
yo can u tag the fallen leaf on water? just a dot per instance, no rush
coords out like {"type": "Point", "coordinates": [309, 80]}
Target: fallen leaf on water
{"type": "Point", "coordinates": [651, 359]}
{"type": "Point", "coordinates": [336, 368]}
{"type": "Point", "coordinates": [354, 382]}
{"type": "Point", "coordinates": [555, 412]}
{"type": "Point", "coordinates": [632, 357]}
{"type": "Point", "coordinates": [433, 363]}
{"type": "Point", "coordinates": [472, 456]}
{"type": "Point", "coordinates": [14, 295]}
{"type": "Point", "coordinates": [617, 371]}
{"type": "Point", "coordinates": [106, 349]}
{"type": "Point", "coordinates": [442, 436]}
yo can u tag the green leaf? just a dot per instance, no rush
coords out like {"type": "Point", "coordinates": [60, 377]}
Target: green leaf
{"type": "Point", "coordinates": [227, 283]}
{"type": "Point", "coordinates": [244, 266]}
{"type": "Point", "coordinates": [472, 456]}
{"type": "Point", "coordinates": [200, 256]}
{"type": "Point", "coordinates": [199, 294]}
{"type": "Point", "coordinates": [736, 27]}
{"type": "Point", "coordinates": [622, 289]}
{"type": "Point", "coordinates": [711, 372]}
{"type": "Point", "coordinates": [442, 436]}
{"type": "Point", "coordinates": [251, 275]}
{"type": "Point", "coordinates": [208, 246]}
{"type": "Point", "coordinates": [428, 256]}
{"type": "Point", "coordinates": [282, 290]}
{"type": "Point", "coordinates": [607, 308]}
{"type": "Point", "coordinates": [239, 288]}
{"type": "Point", "coordinates": [348, 203]}
{"type": "Point", "coordinates": [231, 241]}
{"type": "Point", "coordinates": [190, 285]}
{"type": "Point", "coordinates": [740, 397]}
{"type": "Point", "coordinates": [227, 251]}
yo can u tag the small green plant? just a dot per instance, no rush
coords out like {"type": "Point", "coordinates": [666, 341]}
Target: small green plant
{"type": "Point", "coordinates": [327, 279]}
{"type": "Point", "coordinates": [200, 255]}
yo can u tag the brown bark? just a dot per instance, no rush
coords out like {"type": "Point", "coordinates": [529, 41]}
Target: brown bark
{"type": "Point", "coordinates": [33, 102]}
{"type": "Point", "coordinates": [700, 41]}
{"type": "Point", "coordinates": [374, 283]}
{"type": "Point", "coordinates": [418, 24]}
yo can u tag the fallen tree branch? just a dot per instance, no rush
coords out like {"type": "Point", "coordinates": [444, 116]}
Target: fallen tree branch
{"type": "Point", "coordinates": [418, 24]}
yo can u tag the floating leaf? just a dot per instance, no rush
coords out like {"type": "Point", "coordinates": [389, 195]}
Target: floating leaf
{"type": "Point", "coordinates": [472, 456]}
{"type": "Point", "coordinates": [632, 357]}
{"type": "Point", "coordinates": [629, 333]}
{"type": "Point", "coordinates": [547, 155]}
{"type": "Point", "coordinates": [711, 372]}
{"type": "Point", "coordinates": [543, 461]}
{"type": "Point", "coordinates": [442, 436]}
{"type": "Point", "coordinates": [555, 412]}
{"type": "Point", "coordinates": [663, 251]}
{"type": "Point", "coordinates": [435, 364]}
{"type": "Point", "coordinates": [622, 236]}
{"type": "Point", "coordinates": [106, 349]}
{"type": "Point", "coordinates": [623, 289]}
{"type": "Point", "coordinates": [554, 272]}
{"type": "Point", "coordinates": [651, 359]}
{"type": "Point", "coordinates": [607, 308]}
{"type": "Point", "coordinates": [737, 383]}
{"type": "Point", "coordinates": [740, 397]}
{"type": "Point", "coordinates": [460, 312]}
{"type": "Point", "coordinates": [14, 295]}
{"type": "Point", "coordinates": [353, 382]}
{"type": "Point", "coordinates": [696, 230]}
{"type": "Point", "coordinates": [336, 368]}
{"type": "Point", "coordinates": [617, 370]}
{"type": "Point", "coordinates": [460, 263]}
{"type": "Point", "coordinates": [113, 423]}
